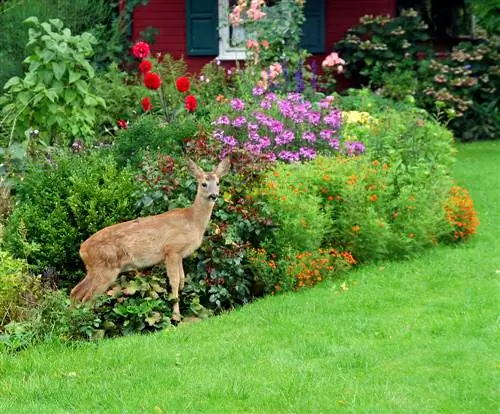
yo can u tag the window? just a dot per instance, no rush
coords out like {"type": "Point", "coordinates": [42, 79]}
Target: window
{"type": "Point", "coordinates": [231, 39]}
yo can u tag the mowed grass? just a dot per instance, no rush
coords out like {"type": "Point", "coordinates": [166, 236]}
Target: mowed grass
{"type": "Point", "coordinates": [399, 337]}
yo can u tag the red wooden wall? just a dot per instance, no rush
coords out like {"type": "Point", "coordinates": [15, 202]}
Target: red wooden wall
{"type": "Point", "coordinates": [169, 17]}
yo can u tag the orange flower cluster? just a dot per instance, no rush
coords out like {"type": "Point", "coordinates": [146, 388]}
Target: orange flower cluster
{"type": "Point", "coordinates": [460, 213]}
{"type": "Point", "coordinates": [310, 268]}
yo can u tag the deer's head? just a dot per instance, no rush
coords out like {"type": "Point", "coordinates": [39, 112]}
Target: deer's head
{"type": "Point", "coordinates": [208, 183]}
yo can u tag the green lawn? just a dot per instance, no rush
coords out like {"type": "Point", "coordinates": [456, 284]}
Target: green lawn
{"type": "Point", "coordinates": [400, 337]}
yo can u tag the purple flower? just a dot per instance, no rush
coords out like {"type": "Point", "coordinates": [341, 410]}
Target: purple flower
{"type": "Point", "coordinates": [276, 126]}
{"type": "Point", "coordinates": [327, 134]}
{"type": "Point", "coordinates": [239, 121]}
{"type": "Point", "coordinates": [309, 136]}
{"type": "Point", "coordinates": [314, 118]}
{"type": "Point", "coordinates": [286, 108]}
{"type": "Point", "coordinates": [230, 141]}
{"type": "Point", "coordinates": [264, 142]}
{"type": "Point", "coordinates": [257, 91]}
{"type": "Point", "coordinates": [252, 127]}
{"type": "Point", "coordinates": [334, 143]}
{"type": "Point", "coordinates": [354, 148]}
{"type": "Point", "coordinates": [265, 104]}
{"type": "Point", "coordinates": [218, 134]}
{"type": "Point", "coordinates": [308, 153]}
{"type": "Point", "coordinates": [237, 104]}
{"type": "Point", "coordinates": [253, 148]}
{"type": "Point", "coordinates": [285, 138]}
{"type": "Point", "coordinates": [223, 120]}
{"type": "Point", "coordinates": [271, 96]}
{"type": "Point", "coordinates": [333, 118]}
{"type": "Point", "coordinates": [295, 97]}
{"type": "Point", "coordinates": [289, 156]}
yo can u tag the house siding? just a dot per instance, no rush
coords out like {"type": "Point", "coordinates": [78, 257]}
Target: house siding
{"type": "Point", "coordinates": [169, 17]}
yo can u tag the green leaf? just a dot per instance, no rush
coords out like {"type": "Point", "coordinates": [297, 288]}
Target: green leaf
{"type": "Point", "coordinates": [59, 68]}
{"type": "Point", "coordinates": [11, 82]}
{"type": "Point", "coordinates": [51, 94]}
{"type": "Point", "coordinates": [74, 76]}
{"type": "Point", "coordinates": [31, 20]}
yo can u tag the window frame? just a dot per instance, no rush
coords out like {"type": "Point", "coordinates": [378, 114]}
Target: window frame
{"type": "Point", "coordinates": [226, 51]}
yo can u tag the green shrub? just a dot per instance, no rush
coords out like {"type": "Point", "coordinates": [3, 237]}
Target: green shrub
{"type": "Point", "coordinates": [55, 97]}
{"type": "Point", "coordinates": [151, 133]}
{"type": "Point", "coordinates": [382, 42]}
{"type": "Point", "coordinates": [50, 318]}
{"type": "Point", "coordinates": [61, 202]}
{"type": "Point", "coordinates": [134, 304]}
{"type": "Point", "coordinates": [16, 286]}
{"type": "Point", "coordinates": [464, 86]}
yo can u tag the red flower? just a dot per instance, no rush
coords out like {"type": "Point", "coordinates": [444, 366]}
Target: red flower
{"type": "Point", "coordinates": [152, 80]}
{"type": "Point", "coordinates": [190, 103]}
{"type": "Point", "coordinates": [182, 84]}
{"type": "Point", "coordinates": [122, 124]}
{"type": "Point", "coordinates": [145, 66]}
{"type": "Point", "coordinates": [141, 50]}
{"type": "Point", "coordinates": [146, 104]}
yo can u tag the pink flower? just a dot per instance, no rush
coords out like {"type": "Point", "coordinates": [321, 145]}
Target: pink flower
{"type": "Point", "coordinates": [252, 44]}
{"type": "Point", "coordinates": [265, 44]}
{"type": "Point", "coordinates": [141, 50]}
{"type": "Point", "coordinates": [332, 59]}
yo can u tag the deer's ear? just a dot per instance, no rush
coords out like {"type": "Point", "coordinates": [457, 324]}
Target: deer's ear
{"type": "Point", "coordinates": [223, 167]}
{"type": "Point", "coordinates": [194, 169]}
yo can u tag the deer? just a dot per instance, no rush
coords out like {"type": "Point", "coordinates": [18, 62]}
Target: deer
{"type": "Point", "coordinates": [146, 241]}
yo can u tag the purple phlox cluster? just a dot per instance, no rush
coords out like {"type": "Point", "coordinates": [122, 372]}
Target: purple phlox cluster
{"type": "Point", "coordinates": [314, 118]}
{"type": "Point", "coordinates": [286, 108]}
{"type": "Point", "coordinates": [353, 148]}
{"type": "Point", "coordinates": [289, 156]}
{"type": "Point", "coordinates": [334, 143]}
{"type": "Point", "coordinates": [223, 120]}
{"type": "Point", "coordinates": [334, 118]}
{"type": "Point", "coordinates": [309, 136]}
{"type": "Point", "coordinates": [266, 104]}
{"type": "Point", "coordinates": [230, 141]}
{"type": "Point", "coordinates": [239, 121]}
{"type": "Point", "coordinates": [307, 153]}
{"type": "Point", "coordinates": [285, 138]}
{"type": "Point", "coordinates": [258, 91]}
{"type": "Point", "coordinates": [237, 104]}
{"type": "Point", "coordinates": [295, 97]}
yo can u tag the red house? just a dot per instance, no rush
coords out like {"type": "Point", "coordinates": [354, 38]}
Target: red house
{"type": "Point", "coordinates": [191, 28]}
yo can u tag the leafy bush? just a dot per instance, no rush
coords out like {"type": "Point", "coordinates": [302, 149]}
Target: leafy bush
{"type": "Point", "coordinates": [55, 97]}
{"type": "Point", "coordinates": [15, 288]}
{"type": "Point", "coordinates": [50, 318]}
{"type": "Point", "coordinates": [153, 134]}
{"type": "Point", "coordinates": [382, 42]}
{"type": "Point", "coordinates": [61, 202]}
{"type": "Point", "coordinates": [136, 304]}
{"type": "Point", "coordinates": [465, 85]}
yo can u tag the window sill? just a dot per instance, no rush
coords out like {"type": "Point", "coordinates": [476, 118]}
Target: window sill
{"type": "Point", "coordinates": [232, 55]}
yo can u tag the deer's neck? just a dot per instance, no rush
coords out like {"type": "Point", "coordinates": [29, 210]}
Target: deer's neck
{"type": "Point", "coordinates": [202, 211]}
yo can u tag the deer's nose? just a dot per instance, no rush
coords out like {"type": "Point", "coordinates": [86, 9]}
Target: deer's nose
{"type": "Point", "coordinates": [213, 197]}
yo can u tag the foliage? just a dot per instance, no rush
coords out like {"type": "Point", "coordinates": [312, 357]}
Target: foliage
{"type": "Point", "coordinates": [122, 94]}
{"type": "Point", "coordinates": [15, 288]}
{"type": "Point", "coordinates": [487, 15]}
{"type": "Point", "coordinates": [460, 214]}
{"type": "Point", "coordinates": [150, 133]}
{"type": "Point", "coordinates": [465, 85]}
{"type": "Point", "coordinates": [81, 16]}
{"type": "Point", "coordinates": [382, 42]}
{"type": "Point", "coordinates": [134, 304]}
{"type": "Point", "coordinates": [5, 201]}
{"type": "Point", "coordinates": [50, 318]}
{"type": "Point", "coordinates": [55, 97]}
{"type": "Point", "coordinates": [61, 202]}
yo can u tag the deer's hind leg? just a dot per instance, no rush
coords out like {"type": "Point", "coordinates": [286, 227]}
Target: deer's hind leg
{"type": "Point", "coordinates": [95, 282]}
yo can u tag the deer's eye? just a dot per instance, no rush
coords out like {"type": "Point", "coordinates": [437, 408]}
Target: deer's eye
{"type": "Point", "coordinates": [204, 185]}
{"type": "Point", "coordinates": [217, 183]}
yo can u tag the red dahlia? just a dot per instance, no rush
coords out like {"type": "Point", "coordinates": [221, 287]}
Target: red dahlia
{"type": "Point", "coordinates": [152, 80]}
{"type": "Point", "coordinates": [145, 66]}
{"type": "Point", "coordinates": [182, 84]}
{"type": "Point", "coordinates": [122, 124]}
{"type": "Point", "coordinates": [146, 104]}
{"type": "Point", "coordinates": [141, 50]}
{"type": "Point", "coordinates": [190, 103]}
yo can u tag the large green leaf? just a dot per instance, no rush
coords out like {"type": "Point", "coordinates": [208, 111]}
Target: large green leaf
{"type": "Point", "coordinates": [59, 68]}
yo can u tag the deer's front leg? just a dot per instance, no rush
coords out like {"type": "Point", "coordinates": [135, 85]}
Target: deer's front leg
{"type": "Point", "coordinates": [173, 263]}
{"type": "Point", "coordinates": [182, 277]}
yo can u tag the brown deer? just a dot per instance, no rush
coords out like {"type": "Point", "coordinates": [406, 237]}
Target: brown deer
{"type": "Point", "coordinates": [147, 241]}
